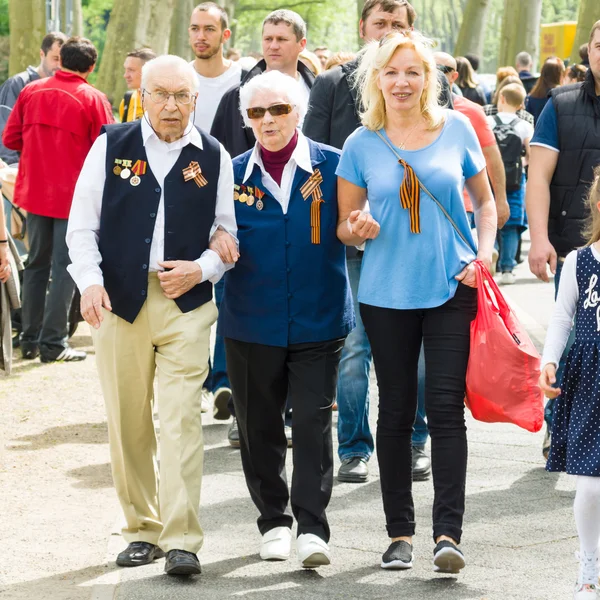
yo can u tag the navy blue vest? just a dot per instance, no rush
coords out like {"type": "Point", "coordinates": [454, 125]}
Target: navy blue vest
{"type": "Point", "coordinates": [129, 213]}
{"type": "Point", "coordinates": [284, 289]}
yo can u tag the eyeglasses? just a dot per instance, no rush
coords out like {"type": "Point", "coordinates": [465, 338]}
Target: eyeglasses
{"type": "Point", "coordinates": [277, 110]}
{"type": "Point", "coordinates": [446, 69]}
{"type": "Point", "coordinates": [162, 97]}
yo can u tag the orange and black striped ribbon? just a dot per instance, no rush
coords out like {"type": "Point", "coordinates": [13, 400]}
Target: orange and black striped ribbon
{"type": "Point", "coordinates": [313, 188]}
{"type": "Point", "coordinates": [193, 171]}
{"type": "Point", "coordinates": [410, 196]}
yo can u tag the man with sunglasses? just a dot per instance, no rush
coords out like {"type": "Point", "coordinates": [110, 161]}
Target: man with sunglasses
{"type": "Point", "coordinates": [152, 205]}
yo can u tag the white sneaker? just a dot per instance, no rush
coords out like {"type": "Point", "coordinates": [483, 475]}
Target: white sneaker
{"type": "Point", "coordinates": [508, 278]}
{"type": "Point", "coordinates": [586, 587]}
{"type": "Point", "coordinates": [313, 552]}
{"type": "Point", "coordinates": [276, 544]}
{"type": "Point", "coordinates": [206, 400]}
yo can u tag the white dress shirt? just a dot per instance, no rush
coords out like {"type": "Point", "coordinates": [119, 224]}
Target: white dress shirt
{"type": "Point", "coordinates": [300, 158]}
{"type": "Point", "coordinates": [84, 219]}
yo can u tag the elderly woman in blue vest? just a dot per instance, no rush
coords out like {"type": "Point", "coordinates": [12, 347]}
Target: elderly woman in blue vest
{"type": "Point", "coordinates": [411, 159]}
{"type": "Point", "coordinates": [150, 215]}
{"type": "Point", "coordinates": [285, 314]}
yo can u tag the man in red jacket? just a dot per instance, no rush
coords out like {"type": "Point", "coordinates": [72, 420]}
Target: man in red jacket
{"type": "Point", "coordinates": [53, 124]}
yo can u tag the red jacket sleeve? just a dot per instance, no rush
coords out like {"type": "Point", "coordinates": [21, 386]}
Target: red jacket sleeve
{"type": "Point", "coordinates": [102, 115]}
{"type": "Point", "coordinates": [12, 136]}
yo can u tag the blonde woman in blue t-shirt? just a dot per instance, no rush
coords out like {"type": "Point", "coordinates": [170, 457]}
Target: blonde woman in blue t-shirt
{"type": "Point", "coordinates": [417, 282]}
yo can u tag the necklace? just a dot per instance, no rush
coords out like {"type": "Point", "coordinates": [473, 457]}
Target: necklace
{"type": "Point", "coordinates": [402, 145]}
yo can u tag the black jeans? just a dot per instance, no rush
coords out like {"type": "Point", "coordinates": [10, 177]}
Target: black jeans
{"type": "Point", "coordinates": [395, 337]}
{"type": "Point", "coordinates": [46, 308]}
{"type": "Point", "coordinates": [262, 378]}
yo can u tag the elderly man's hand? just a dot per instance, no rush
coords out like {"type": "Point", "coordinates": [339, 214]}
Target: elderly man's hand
{"type": "Point", "coordinates": [225, 246]}
{"type": "Point", "coordinates": [93, 300]}
{"type": "Point", "coordinates": [182, 276]}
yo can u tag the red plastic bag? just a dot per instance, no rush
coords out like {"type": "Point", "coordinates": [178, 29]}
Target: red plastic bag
{"type": "Point", "coordinates": [504, 365]}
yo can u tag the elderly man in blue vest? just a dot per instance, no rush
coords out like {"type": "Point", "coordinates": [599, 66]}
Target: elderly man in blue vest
{"type": "Point", "coordinates": [285, 313]}
{"type": "Point", "coordinates": [152, 214]}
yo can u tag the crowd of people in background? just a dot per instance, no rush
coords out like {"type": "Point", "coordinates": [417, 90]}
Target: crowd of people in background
{"type": "Point", "coordinates": [297, 157]}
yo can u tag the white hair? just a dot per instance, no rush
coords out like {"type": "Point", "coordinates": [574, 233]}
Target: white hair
{"type": "Point", "coordinates": [169, 64]}
{"type": "Point", "coordinates": [273, 81]}
{"type": "Point", "coordinates": [523, 59]}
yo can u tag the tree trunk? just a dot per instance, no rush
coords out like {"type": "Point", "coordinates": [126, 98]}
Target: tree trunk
{"type": "Point", "coordinates": [528, 38]}
{"type": "Point", "coordinates": [508, 36]}
{"type": "Point", "coordinates": [133, 24]}
{"type": "Point", "coordinates": [179, 41]}
{"type": "Point", "coordinates": [27, 21]}
{"type": "Point", "coordinates": [589, 13]}
{"type": "Point", "coordinates": [472, 29]}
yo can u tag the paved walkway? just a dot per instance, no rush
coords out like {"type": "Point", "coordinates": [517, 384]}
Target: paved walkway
{"type": "Point", "coordinates": [519, 534]}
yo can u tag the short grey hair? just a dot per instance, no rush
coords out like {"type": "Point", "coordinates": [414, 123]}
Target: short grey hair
{"type": "Point", "coordinates": [289, 17]}
{"type": "Point", "coordinates": [523, 59]}
{"type": "Point", "coordinates": [273, 81]}
{"type": "Point", "coordinates": [172, 65]}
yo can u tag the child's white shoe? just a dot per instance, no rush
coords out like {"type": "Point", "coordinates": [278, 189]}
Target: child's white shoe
{"type": "Point", "coordinates": [586, 587]}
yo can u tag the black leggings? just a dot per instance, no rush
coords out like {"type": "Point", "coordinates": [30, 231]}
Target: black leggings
{"type": "Point", "coordinates": [395, 337]}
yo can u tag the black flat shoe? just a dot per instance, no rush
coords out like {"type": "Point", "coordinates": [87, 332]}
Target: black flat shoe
{"type": "Point", "coordinates": [139, 553]}
{"type": "Point", "coordinates": [180, 562]}
{"type": "Point", "coordinates": [447, 558]}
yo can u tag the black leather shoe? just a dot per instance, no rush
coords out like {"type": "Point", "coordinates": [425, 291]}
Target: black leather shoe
{"type": "Point", "coordinates": [180, 562]}
{"type": "Point", "coordinates": [139, 553]}
{"type": "Point", "coordinates": [353, 470]}
{"type": "Point", "coordinates": [421, 464]}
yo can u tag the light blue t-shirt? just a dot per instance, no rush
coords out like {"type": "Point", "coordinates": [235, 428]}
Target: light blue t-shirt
{"type": "Point", "coordinates": [405, 270]}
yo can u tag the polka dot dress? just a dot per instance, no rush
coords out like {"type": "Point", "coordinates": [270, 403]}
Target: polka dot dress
{"type": "Point", "coordinates": [576, 423]}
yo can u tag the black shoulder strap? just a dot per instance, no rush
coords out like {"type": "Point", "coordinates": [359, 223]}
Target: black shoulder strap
{"type": "Point", "coordinates": [498, 120]}
{"type": "Point", "coordinates": [126, 102]}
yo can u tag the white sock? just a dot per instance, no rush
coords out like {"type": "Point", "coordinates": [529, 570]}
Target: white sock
{"type": "Point", "coordinates": [587, 518]}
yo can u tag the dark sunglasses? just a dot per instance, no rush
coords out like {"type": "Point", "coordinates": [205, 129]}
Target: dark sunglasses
{"type": "Point", "coordinates": [277, 110]}
{"type": "Point", "coordinates": [445, 69]}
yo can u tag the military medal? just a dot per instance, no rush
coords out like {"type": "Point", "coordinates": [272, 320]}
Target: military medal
{"type": "Point", "coordinates": [126, 172]}
{"type": "Point", "coordinates": [250, 200]}
{"type": "Point", "coordinates": [194, 172]}
{"type": "Point", "coordinates": [117, 170]}
{"type": "Point", "coordinates": [259, 195]}
{"type": "Point", "coordinates": [243, 198]}
{"type": "Point", "coordinates": [236, 192]}
{"type": "Point", "coordinates": [139, 168]}
{"type": "Point", "coordinates": [313, 188]}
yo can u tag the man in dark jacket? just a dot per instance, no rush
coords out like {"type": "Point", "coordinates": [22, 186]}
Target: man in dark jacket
{"type": "Point", "coordinates": [11, 88]}
{"type": "Point", "coordinates": [283, 38]}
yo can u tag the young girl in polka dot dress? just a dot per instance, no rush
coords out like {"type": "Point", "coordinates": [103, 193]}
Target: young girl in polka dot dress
{"type": "Point", "coordinates": [575, 445]}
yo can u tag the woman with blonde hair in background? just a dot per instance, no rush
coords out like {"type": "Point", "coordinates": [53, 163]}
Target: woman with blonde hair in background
{"type": "Point", "coordinates": [411, 159]}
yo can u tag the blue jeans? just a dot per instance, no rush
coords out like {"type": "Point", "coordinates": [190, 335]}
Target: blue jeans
{"type": "Point", "coordinates": [354, 433]}
{"type": "Point", "coordinates": [217, 373]}
{"type": "Point", "coordinates": [509, 235]}
{"type": "Point", "coordinates": [420, 431]}
{"type": "Point", "coordinates": [549, 410]}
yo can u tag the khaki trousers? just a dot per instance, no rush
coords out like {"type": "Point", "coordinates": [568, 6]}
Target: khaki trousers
{"type": "Point", "coordinates": [175, 345]}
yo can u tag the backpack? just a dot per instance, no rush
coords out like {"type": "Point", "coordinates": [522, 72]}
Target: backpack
{"type": "Point", "coordinates": [511, 149]}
